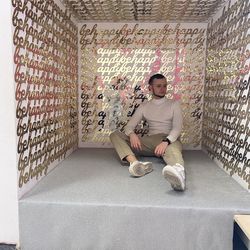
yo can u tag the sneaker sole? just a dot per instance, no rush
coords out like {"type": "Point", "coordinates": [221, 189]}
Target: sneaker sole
{"type": "Point", "coordinates": [141, 170]}
{"type": "Point", "coordinates": [175, 182]}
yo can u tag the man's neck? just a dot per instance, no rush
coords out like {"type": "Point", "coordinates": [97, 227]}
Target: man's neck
{"type": "Point", "coordinates": [157, 97]}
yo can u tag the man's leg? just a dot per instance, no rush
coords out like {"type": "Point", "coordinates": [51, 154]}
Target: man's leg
{"type": "Point", "coordinates": [174, 172]}
{"type": "Point", "coordinates": [121, 143]}
{"type": "Point", "coordinates": [173, 154]}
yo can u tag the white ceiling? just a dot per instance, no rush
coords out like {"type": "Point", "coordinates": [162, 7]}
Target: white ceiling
{"type": "Point", "coordinates": [143, 10]}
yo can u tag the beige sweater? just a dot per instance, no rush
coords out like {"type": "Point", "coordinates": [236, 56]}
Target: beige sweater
{"type": "Point", "coordinates": [162, 115]}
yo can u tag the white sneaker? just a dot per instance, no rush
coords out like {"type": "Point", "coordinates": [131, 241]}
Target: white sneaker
{"type": "Point", "coordinates": [138, 168]}
{"type": "Point", "coordinates": [175, 175]}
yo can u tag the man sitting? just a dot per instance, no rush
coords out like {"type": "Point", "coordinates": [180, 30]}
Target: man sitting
{"type": "Point", "coordinates": [164, 118]}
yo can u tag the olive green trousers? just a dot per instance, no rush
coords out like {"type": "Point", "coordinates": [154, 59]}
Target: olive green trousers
{"type": "Point", "coordinates": [121, 143]}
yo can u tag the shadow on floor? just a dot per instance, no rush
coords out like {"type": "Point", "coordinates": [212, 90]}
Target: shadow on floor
{"type": "Point", "coordinates": [7, 247]}
{"type": "Point", "coordinates": [237, 242]}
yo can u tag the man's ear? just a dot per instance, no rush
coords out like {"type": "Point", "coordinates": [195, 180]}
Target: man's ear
{"type": "Point", "coordinates": [149, 87]}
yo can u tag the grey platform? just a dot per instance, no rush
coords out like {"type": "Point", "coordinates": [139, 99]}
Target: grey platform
{"type": "Point", "coordinates": [90, 202]}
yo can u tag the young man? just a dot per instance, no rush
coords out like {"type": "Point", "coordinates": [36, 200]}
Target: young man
{"type": "Point", "coordinates": [164, 118]}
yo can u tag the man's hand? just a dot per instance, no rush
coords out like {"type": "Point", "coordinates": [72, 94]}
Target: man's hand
{"type": "Point", "coordinates": [161, 148]}
{"type": "Point", "coordinates": [135, 141]}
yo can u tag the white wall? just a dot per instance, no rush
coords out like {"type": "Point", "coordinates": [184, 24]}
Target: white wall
{"type": "Point", "coordinates": [8, 173]}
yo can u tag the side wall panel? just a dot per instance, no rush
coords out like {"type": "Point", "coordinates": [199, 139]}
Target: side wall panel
{"type": "Point", "coordinates": [226, 128]}
{"type": "Point", "coordinates": [45, 58]}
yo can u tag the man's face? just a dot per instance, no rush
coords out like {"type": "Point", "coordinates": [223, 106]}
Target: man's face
{"type": "Point", "coordinates": [158, 88]}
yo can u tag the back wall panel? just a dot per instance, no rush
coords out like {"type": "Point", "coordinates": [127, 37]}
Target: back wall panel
{"type": "Point", "coordinates": [116, 61]}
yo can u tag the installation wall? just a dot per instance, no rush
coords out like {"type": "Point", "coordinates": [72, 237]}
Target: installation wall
{"type": "Point", "coordinates": [45, 65]}
{"type": "Point", "coordinates": [8, 177]}
{"type": "Point", "coordinates": [116, 61]}
{"type": "Point", "coordinates": [226, 128]}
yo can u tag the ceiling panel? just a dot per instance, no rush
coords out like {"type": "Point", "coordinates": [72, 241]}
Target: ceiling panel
{"type": "Point", "coordinates": [143, 10]}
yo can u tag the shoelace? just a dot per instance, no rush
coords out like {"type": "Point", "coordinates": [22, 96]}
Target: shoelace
{"type": "Point", "coordinates": [181, 171]}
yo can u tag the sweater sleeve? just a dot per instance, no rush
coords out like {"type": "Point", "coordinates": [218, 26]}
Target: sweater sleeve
{"type": "Point", "coordinates": [177, 123]}
{"type": "Point", "coordinates": [135, 119]}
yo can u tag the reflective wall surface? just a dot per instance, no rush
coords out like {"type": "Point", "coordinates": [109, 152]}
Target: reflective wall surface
{"type": "Point", "coordinates": [45, 61]}
{"type": "Point", "coordinates": [116, 62]}
{"type": "Point", "coordinates": [226, 128]}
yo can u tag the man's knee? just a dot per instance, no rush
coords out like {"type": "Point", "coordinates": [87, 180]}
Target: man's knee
{"type": "Point", "coordinates": [113, 135]}
{"type": "Point", "coordinates": [117, 134]}
{"type": "Point", "coordinates": [172, 150]}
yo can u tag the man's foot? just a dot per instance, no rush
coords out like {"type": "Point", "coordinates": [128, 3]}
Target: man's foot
{"type": "Point", "coordinates": [175, 175]}
{"type": "Point", "coordinates": [138, 168]}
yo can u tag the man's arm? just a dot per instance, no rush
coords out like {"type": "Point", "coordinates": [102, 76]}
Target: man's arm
{"type": "Point", "coordinates": [174, 133]}
{"type": "Point", "coordinates": [130, 128]}
{"type": "Point", "coordinates": [135, 119]}
{"type": "Point", "coordinates": [177, 123]}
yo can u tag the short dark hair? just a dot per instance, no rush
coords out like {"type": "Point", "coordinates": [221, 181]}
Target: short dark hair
{"type": "Point", "coordinates": [156, 76]}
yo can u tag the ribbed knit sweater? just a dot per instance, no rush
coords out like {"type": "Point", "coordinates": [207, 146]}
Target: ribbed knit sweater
{"type": "Point", "coordinates": [162, 115]}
